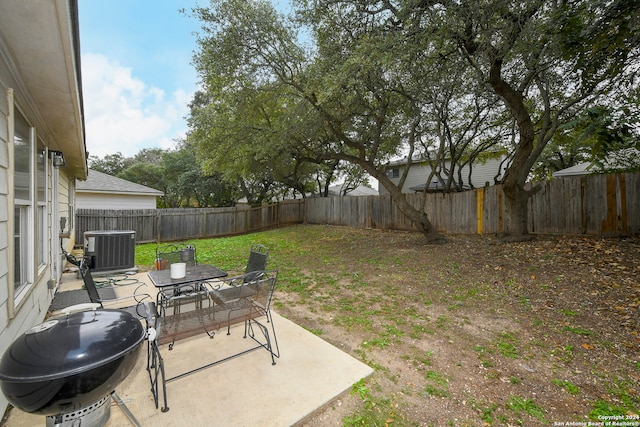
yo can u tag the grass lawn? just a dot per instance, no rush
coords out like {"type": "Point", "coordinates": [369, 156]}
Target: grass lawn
{"type": "Point", "coordinates": [472, 332]}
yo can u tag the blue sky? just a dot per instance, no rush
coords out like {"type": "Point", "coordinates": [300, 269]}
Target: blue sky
{"type": "Point", "coordinates": [136, 72]}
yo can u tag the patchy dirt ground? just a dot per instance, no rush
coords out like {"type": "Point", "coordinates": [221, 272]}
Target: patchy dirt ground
{"type": "Point", "coordinates": [474, 331]}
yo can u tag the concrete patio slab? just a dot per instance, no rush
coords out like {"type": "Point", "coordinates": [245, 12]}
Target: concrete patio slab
{"type": "Point", "coordinates": [244, 391]}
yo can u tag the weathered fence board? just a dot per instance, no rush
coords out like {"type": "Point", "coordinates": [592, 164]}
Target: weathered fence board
{"type": "Point", "coordinates": [164, 225]}
{"type": "Point", "coordinates": [633, 202]}
{"type": "Point", "coordinates": [596, 205]}
{"type": "Point", "coordinates": [140, 220]}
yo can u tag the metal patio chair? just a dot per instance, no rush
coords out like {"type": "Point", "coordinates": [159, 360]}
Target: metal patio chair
{"type": "Point", "coordinates": [257, 261]}
{"type": "Point", "coordinates": [204, 311]}
{"type": "Point", "coordinates": [99, 301]}
{"type": "Point", "coordinates": [175, 252]}
{"type": "Point", "coordinates": [170, 254]}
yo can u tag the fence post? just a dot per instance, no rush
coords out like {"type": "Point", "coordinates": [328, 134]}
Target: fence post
{"type": "Point", "coordinates": [204, 223]}
{"type": "Point", "coordinates": [599, 205]}
{"type": "Point", "coordinates": [480, 210]}
{"type": "Point", "coordinates": [158, 225]}
{"type": "Point", "coordinates": [500, 225]}
{"type": "Point", "coordinates": [305, 220]}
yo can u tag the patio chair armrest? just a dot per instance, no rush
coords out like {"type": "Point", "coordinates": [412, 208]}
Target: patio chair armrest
{"type": "Point", "coordinates": [242, 279]}
{"type": "Point", "coordinates": [234, 274]}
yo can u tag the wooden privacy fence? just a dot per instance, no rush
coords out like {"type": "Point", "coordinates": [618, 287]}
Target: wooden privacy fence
{"type": "Point", "coordinates": [167, 225]}
{"type": "Point", "coordinates": [596, 205]}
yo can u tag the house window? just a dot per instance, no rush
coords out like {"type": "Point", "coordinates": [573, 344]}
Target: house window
{"type": "Point", "coordinates": [30, 205]}
{"type": "Point", "coordinates": [393, 173]}
{"type": "Point", "coordinates": [23, 198]}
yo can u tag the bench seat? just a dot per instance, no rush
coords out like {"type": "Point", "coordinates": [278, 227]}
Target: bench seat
{"type": "Point", "coordinates": [208, 308]}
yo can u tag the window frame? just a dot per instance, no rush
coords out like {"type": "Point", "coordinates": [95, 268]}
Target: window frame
{"type": "Point", "coordinates": [23, 211]}
{"type": "Point", "coordinates": [393, 173]}
{"type": "Point", "coordinates": [29, 250]}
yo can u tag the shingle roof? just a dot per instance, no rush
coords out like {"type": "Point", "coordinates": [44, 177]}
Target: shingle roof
{"type": "Point", "coordinates": [583, 168]}
{"type": "Point", "coordinates": [98, 182]}
{"type": "Point", "coordinates": [335, 190]}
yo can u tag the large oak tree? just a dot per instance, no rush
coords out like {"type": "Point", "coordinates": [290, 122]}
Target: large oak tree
{"type": "Point", "coordinates": [362, 89]}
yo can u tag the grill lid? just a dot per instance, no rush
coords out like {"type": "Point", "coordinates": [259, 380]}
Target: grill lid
{"type": "Point", "coordinates": [70, 344]}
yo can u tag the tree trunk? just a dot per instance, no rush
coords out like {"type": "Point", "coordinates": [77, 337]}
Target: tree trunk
{"type": "Point", "coordinates": [417, 216]}
{"type": "Point", "coordinates": [516, 197]}
{"type": "Point", "coordinates": [516, 213]}
{"type": "Point", "coordinates": [516, 218]}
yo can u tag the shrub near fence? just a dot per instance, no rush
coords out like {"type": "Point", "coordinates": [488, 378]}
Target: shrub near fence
{"type": "Point", "coordinates": [596, 205]}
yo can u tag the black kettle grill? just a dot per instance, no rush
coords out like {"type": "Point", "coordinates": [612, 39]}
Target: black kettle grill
{"type": "Point", "coordinates": [67, 367]}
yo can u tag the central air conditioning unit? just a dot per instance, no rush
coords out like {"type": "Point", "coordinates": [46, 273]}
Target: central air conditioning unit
{"type": "Point", "coordinates": [110, 251]}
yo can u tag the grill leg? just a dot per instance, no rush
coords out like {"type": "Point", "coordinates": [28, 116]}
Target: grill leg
{"type": "Point", "coordinates": [126, 410]}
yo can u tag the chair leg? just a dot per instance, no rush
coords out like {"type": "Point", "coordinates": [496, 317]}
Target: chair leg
{"type": "Point", "coordinates": [157, 378]}
{"type": "Point", "coordinates": [270, 338]}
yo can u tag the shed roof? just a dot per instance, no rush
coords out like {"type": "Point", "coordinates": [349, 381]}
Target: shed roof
{"type": "Point", "coordinates": [98, 182]}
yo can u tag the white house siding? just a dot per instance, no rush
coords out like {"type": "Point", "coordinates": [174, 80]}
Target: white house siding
{"type": "Point", "coordinates": [40, 78]}
{"type": "Point", "coordinates": [86, 200]}
{"type": "Point", "coordinates": [483, 173]}
{"type": "Point", "coordinates": [32, 307]}
{"type": "Point", "coordinates": [66, 208]}
{"type": "Point", "coordinates": [419, 173]}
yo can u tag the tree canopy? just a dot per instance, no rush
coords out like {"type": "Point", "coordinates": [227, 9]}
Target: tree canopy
{"type": "Point", "coordinates": [176, 173]}
{"type": "Point", "coordinates": [369, 81]}
{"type": "Point", "coordinates": [339, 88]}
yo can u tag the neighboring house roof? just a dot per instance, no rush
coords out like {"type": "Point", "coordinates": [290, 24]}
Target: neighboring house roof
{"type": "Point", "coordinates": [420, 158]}
{"type": "Point", "coordinates": [404, 160]}
{"type": "Point", "coordinates": [576, 170]}
{"type": "Point", "coordinates": [619, 160]}
{"type": "Point", "coordinates": [336, 190]}
{"type": "Point", "coordinates": [98, 182]}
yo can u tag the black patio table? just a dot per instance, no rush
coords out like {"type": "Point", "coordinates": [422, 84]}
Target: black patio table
{"type": "Point", "coordinates": [161, 279]}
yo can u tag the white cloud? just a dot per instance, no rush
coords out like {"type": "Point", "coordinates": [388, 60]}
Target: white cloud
{"type": "Point", "coordinates": [123, 114]}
